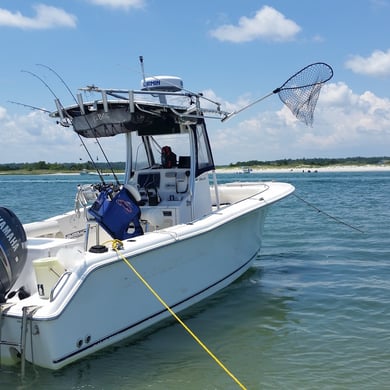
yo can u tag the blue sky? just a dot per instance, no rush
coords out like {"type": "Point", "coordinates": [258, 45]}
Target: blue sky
{"type": "Point", "coordinates": [232, 51]}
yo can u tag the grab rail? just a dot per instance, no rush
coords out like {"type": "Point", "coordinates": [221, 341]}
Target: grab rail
{"type": "Point", "coordinates": [60, 285]}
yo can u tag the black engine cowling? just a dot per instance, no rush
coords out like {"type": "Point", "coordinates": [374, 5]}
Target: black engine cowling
{"type": "Point", "coordinates": [13, 250]}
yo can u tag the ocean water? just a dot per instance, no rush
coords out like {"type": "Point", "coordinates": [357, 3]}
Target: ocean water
{"type": "Point", "coordinates": [312, 313]}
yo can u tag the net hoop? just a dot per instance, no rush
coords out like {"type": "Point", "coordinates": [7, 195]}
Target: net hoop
{"type": "Point", "coordinates": [327, 74]}
{"type": "Point", "coordinates": [301, 91]}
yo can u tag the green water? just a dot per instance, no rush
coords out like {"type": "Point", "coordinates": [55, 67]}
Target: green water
{"type": "Point", "coordinates": [312, 313]}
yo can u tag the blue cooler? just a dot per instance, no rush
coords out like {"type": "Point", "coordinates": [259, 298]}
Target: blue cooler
{"type": "Point", "coordinates": [119, 216]}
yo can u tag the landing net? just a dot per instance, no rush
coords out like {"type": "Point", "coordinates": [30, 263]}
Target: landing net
{"type": "Point", "coordinates": [301, 91]}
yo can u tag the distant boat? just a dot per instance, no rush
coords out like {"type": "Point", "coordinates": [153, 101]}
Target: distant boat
{"type": "Point", "coordinates": [245, 170]}
{"type": "Point", "coordinates": [92, 173]}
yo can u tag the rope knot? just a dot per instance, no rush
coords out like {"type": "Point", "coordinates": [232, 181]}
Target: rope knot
{"type": "Point", "coordinates": [117, 244]}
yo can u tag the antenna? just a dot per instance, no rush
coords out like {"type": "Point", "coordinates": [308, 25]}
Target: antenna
{"type": "Point", "coordinates": [141, 61]}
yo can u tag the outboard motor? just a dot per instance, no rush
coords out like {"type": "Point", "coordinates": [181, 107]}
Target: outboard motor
{"type": "Point", "coordinates": [13, 250]}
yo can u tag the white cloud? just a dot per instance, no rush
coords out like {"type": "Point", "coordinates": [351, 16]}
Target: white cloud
{"type": "Point", "coordinates": [46, 17]}
{"type": "Point", "coordinates": [377, 64]}
{"type": "Point", "coordinates": [35, 137]}
{"type": "Point", "coordinates": [124, 4]}
{"type": "Point", "coordinates": [267, 24]}
{"type": "Point", "coordinates": [227, 106]}
{"type": "Point", "coordinates": [3, 113]}
{"type": "Point", "coordinates": [345, 124]}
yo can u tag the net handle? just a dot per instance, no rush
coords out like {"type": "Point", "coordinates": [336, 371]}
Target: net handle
{"type": "Point", "coordinates": [282, 87]}
{"type": "Point", "coordinates": [228, 116]}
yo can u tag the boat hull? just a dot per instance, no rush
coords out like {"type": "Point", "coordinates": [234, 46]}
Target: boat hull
{"type": "Point", "coordinates": [116, 304]}
{"type": "Point", "coordinates": [100, 300]}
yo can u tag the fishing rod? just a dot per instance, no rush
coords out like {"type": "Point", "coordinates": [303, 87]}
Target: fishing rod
{"type": "Point", "coordinates": [60, 107]}
{"type": "Point", "coordinates": [42, 81]}
{"type": "Point", "coordinates": [91, 128]}
{"type": "Point", "coordinates": [61, 79]}
{"type": "Point", "coordinates": [29, 106]}
{"type": "Point", "coordinates": [338, 220]}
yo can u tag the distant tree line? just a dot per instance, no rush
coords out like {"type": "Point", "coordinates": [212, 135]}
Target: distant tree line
{"type": "Point", "coordinates": [317, 162]}
{"type": "Point", "coordinates": [60, 167]}
{"type": "Point", "coordinates": [120, 166]}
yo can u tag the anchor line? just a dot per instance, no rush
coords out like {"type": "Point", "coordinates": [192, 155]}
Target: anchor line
{"type": "Point", "coordinates": [116, 246]}
{"type": "Point", "coordinates": [338, 220]}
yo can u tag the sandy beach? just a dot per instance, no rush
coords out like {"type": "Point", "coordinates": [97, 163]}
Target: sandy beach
{"type": "Point", "coordinates": [336, 168]}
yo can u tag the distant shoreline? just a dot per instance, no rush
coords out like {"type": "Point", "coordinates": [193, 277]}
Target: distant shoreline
{"type": "Point", "coordinates": [232, 170]}
{"type": "Point", "coordinates": [332, 168]}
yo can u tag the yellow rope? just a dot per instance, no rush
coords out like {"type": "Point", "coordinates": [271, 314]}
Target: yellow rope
{"type": "Point", "coordinates": [116, 246]}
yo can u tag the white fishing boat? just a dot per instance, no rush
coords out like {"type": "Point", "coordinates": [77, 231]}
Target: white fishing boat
{"type": "Point", "coordinates": [84, 172]}
{"type": "Point", "coordinates": [245, 170]}
{"type": "Point", "coordinates": [81, 281]}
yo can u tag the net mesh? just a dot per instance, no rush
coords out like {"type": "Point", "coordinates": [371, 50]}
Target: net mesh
{"type": "Point", "coordinates": [301, 91]}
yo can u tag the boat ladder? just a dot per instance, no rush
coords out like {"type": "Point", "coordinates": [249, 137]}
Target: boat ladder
{"type": "Point", "coordinates": [27, 313]}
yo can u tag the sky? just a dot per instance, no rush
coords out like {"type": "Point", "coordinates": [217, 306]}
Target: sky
{"type": "Point", "coordinates": [232, 51]}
